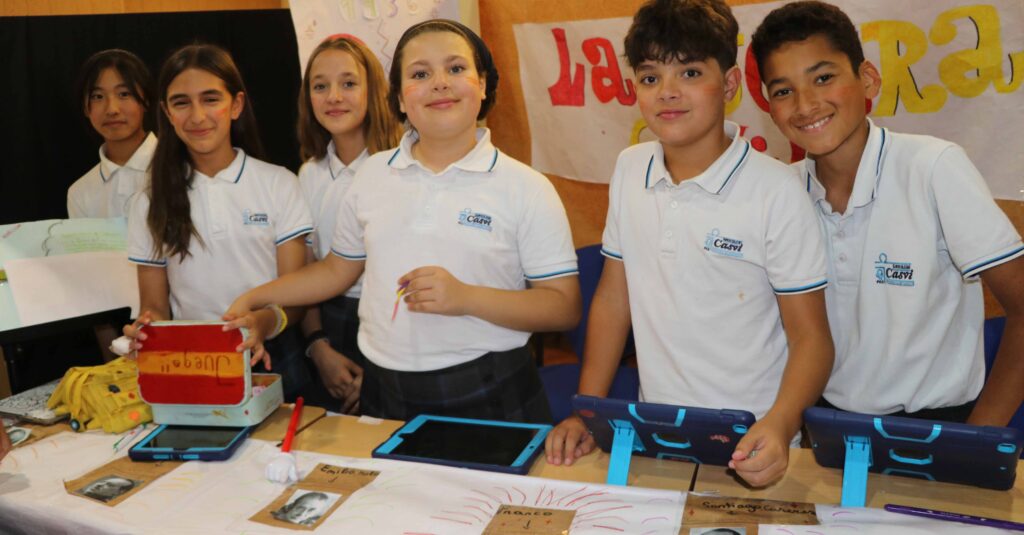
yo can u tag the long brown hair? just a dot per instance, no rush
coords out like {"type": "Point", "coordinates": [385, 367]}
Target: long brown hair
{"type": "Point", "coordinates": [170, 216]}
{"type": "Point", "coordinates": [380, 128]}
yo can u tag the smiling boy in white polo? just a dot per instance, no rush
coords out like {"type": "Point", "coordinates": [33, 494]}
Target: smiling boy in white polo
{"type": "Point", "coordinates": [711, 248]}
{"type": "Point", "coordinates": [909, 225]}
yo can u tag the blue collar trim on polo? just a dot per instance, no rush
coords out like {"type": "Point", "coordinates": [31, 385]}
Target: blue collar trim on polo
{"type": "Point", "coordinates": [228, 174]}
{"type": "Point", "coordinates": [714, 178]}
{"type": "Point", "coordinates": [736, 166]}
{"type": "Point", "coordinates": [331, 157]}
{"type": "Point", "coordinates": [481, 159]}
{"type": "Point", "coordinates": [876, 149]}
{"type": "Point", "coordinates": [333, 161]}
{"type": "Point", "coordinates": [139, 160]}
{"type": "Point", "coordinates": [245, 158]}
{"type": "Point", "coordinates": [105, 162]}
{"type": "Point", "coordinates": [395, 155]}
{"type": "Point", "coordinates": [647, 178]}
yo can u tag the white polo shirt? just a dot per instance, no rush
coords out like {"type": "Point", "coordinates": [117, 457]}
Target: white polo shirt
{"type": "Point", "coordinates": [905, 305]}
{"type": "Point", "coordinates": [242, 214]}
{"type": "Point", "coordinates": [488, 219]}
{"type": "Point", "coordinates": [106, 190]}
{"type": "Point", "coordinates": [704, 261]}
{"type": "Point", "coordinates": [324, 183]}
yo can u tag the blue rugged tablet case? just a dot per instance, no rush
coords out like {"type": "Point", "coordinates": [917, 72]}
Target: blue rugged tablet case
{"type": "Point", "coordinates": [520, 466]}
{"type": "Point", "coordinates": [140, 452]}
{"type": "Point", "coordinates": [699, 435]}
{"type": "Point", "coordinates": [926, 449]}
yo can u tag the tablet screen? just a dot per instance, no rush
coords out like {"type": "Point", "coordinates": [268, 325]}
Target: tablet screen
{"type": "Point", "coordinates": [185, 437]}
{"type": "Point", "coordinates": [460, 442]}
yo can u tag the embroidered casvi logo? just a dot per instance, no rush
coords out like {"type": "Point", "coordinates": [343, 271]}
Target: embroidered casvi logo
{"type": "Point", "coordinates": [473, 219]}
{"type": "Point", "coordinates": [260, 219]}
{"type": "Point", "coordinates": [894, 273]}
{"type": "Point", "coordinates": [718, 244]}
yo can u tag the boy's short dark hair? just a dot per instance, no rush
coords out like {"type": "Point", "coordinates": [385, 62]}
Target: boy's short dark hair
{"type": "Point", "coordinates": [684, 30]}
{"type": "Point", "coordinates": [801, 20]}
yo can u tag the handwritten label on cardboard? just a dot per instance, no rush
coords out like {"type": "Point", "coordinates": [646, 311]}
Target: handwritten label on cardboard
{"type": "Point", "coordinates": [117, 480]}
{"type": "Point", "coordinates": [724, 510]}
{"type": "Point", "coordinates": [522, 520]}
{"type": "Point", "coordinates": [306, 504]}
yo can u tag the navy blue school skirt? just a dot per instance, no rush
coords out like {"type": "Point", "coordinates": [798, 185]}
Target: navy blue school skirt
{"type": "Point", "coordinates": [500, 385]}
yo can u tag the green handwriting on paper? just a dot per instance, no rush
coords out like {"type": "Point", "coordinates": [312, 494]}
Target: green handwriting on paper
{"type": "Point", "coordinates": [86, 235]}
{"type": "Point", "coordinates": [82, 242]}
{"type": "Point", "coordinates": [54, 237]}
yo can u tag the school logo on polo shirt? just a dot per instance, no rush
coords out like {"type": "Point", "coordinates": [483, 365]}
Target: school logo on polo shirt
{"type": "Point", "coordinates": [473, 219]}
{"type": "Point", "coordinates": [259, 219]}
{"type": "Point", "coordinates": [894, 273]}
{"type": "Point", "coordinates": [718, 244]}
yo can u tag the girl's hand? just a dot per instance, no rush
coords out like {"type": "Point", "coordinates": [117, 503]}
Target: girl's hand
{"type": "Point", "coordinates": [432, 289]}
{"type": "Point", "coordinates": [134, 331]}
{"type": "Point", "coordinates": [342, 377]}
{"type": "Point", "coordinates": [239, 308]}
{"type": "Point", "coordinates": [255, 323]}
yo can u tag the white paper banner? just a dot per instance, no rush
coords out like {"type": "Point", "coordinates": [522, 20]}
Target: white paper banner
{"type": "Point", "coordinates": [949, 69]}
{"type": "Point", "coordinates": [67, 286]}
{"type": "Point", "coordinates": [378, 23]}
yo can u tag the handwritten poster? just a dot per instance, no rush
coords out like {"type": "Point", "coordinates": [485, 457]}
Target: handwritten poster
{"type": "Point", "coordinates": [378, 23]}
{"type": "Point", "coordinates": [948, 69]}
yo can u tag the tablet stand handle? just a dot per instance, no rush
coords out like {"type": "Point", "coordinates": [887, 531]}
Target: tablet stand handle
{"type": "Point", "coordinates": [855, 471]}
{"type": "Point", "coordinates": [622, 452]}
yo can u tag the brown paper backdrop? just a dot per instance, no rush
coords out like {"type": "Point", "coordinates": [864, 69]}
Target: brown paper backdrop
{"type": "Point", "coordinates": [586, 203]}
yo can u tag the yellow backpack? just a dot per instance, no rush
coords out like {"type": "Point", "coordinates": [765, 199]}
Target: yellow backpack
{"type": "Point", "coordinates": [104, 396]}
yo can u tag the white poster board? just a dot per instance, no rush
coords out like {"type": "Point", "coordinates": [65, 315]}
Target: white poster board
{"type": "Point", "coordinates": [377, 23]}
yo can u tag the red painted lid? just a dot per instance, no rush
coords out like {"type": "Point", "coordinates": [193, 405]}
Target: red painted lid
{"type": "Point", "coordinates": [192, 364]}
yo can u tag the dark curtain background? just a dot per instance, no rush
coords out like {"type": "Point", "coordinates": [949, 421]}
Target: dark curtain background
{"type": "Point", "coordinates": [45, 141]}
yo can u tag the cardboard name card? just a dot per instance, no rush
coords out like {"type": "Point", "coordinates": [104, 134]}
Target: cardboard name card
{"type": "Point", "coordinates": [306, 504]}
{"type": "Point", "coordinates": [522, 520]}
{"type": "Point", "coordinates": [706, 514]}
{"type": "Point", "coordinates": [117, 480]}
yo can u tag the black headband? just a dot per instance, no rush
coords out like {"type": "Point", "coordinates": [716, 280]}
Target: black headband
{"type": "Point", "coordinates": [486, 61]}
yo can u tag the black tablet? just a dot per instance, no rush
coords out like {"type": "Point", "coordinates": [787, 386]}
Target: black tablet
{"type": "Point", "coordinates": [693, 434]}
{"type": "Point", "coordinates": [925, 449]}
{"type": "Point", "coordinates": [189, 443]}
{"type": "Point", "coordinates": [490, 445]}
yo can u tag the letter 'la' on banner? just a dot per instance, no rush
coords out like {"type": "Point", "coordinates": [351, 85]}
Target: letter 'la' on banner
{"type": "Point", "coordinates": [949, 69]}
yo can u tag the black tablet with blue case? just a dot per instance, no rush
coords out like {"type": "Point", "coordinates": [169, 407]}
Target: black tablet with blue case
{"type": "Point", "coordinates": [189, 443]}
{"type": "Point", "coordinates": [496, 446]}
{"type": "Point", "coordinates": [926, 449]}
{"type": "Point", "coordinates": [694, 434]}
